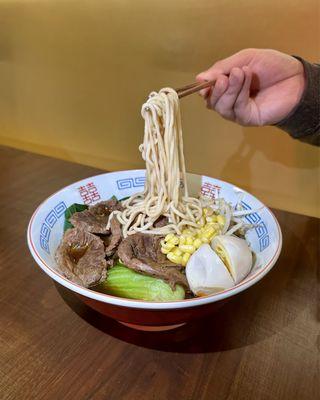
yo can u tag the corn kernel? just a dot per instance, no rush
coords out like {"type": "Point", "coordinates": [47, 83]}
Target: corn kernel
{"type": "Point", "coordinates": [214, 225]}
{"type": "Point", "coordinates": [168, 246]}
{"type": "Point", "coordinates": [197, 243]}
{"type": "Point", "coordinates": [212, 218]}
{"type": "Point", "coordinates": [187, 248]}
{"type": "Point", "coordinates": [177, 252]}
{"type": "Point", "coordinates": [174, 258]}
{"type": "Point", "coordinates": [164, 251]}
{"type": "Point", "coordinates": [215, 233]}
{"type": "Point", "coordinates": [204, 239]}
{"type": "Point", "coordinates": [189, 240]}
{"type": "Point", "coordinates": [169, 237]}
{"type": "Point", "coordinates": [182, 239]}
{"type": "Point", "coordinates": [187, 232]}
{"type": "Point", "coordinates": [221, 220]}
{"type": "Point", "coordinates": [185, 259]}
{"type": "Point", "coordinates": [207, 235]}
{"type": "Point", "coordinates": [199, 234]}
{"type": "Point", "coordinates": [207, 211]}
{"type": "Point", "coordinates": [174, 241]}
{"type": "Point", "coordinates": [208, 231]}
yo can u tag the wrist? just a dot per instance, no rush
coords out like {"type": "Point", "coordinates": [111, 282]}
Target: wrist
{"type": "Point", "coordinates": [298, 87]}
{"type": "Point", "coordinates": [301, 81]}
{"type": "Point", "coordinates": [303, 120]}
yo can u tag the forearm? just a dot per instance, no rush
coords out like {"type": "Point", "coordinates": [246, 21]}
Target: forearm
{"type": "Point", "coordinates": [303, 122]}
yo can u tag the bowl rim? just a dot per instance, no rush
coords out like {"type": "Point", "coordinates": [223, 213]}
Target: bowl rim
{"type": "Point", "coordinates": [142, 304]}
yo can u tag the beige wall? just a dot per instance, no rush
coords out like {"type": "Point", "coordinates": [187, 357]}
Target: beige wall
{"type": "Point", "coordinates": [73, 76]}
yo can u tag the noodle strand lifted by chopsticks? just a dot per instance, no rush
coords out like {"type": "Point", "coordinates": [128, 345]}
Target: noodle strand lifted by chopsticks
{"type": "Point", "coordinates": [162, 150]}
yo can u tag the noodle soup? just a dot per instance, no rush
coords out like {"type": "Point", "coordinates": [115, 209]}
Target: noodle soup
{"type": "Point", "coordinates": [160, 244]}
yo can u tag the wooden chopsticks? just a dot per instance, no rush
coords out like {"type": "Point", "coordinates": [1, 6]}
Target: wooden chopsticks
{"type": "Point", "coordinates": [193, 87]}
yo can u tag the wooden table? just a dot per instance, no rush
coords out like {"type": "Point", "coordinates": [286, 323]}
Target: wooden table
{"type": "Point", "coordinates": [261, 345]}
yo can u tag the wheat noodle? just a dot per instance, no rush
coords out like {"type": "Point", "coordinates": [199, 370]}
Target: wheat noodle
{"type": "Point", "coordinates": [162, 150]}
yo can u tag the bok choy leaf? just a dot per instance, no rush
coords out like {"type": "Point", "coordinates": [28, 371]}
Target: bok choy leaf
{"type": "Point", "coordinates": [124, 282]}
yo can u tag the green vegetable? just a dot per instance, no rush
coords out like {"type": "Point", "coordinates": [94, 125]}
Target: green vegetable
{"type": "Point", "coordinates": [68, 213]}
{"type": "Point", "coordinates": [124, 198]}
{"type": "Point", "coordinates": [123, 282]}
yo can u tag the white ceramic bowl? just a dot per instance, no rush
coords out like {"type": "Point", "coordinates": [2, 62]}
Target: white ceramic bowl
{"type": "Point", "coordinates": [45, 231]}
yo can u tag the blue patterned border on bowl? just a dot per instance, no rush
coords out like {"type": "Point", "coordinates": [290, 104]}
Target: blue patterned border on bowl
{"type": "Point", "coordinates": [261, 229]}
{"type": "Point", "coordinates": [129, 183]}
{"type": "Point", "coordinates": [49, 223]}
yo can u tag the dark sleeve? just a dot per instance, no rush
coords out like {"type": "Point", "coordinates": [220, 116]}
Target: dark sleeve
{"type": "Point", "coordinates": [303, 122]}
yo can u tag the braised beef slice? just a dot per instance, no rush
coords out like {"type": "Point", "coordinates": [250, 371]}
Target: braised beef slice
{"type": "Point", "coordinates": [113, 240]}
{"type": "Point", "coordinates": [95, 219]}
{"type": "Point", "coordinates": [81, 257]}
{"type": "Point", "coordinates": [161, 222]}
{"type": "Point", "coordinates": [142, 253]}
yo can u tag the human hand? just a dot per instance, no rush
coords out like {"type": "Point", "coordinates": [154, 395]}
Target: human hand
{"type": "Point", "coordinates": [254, 86]}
